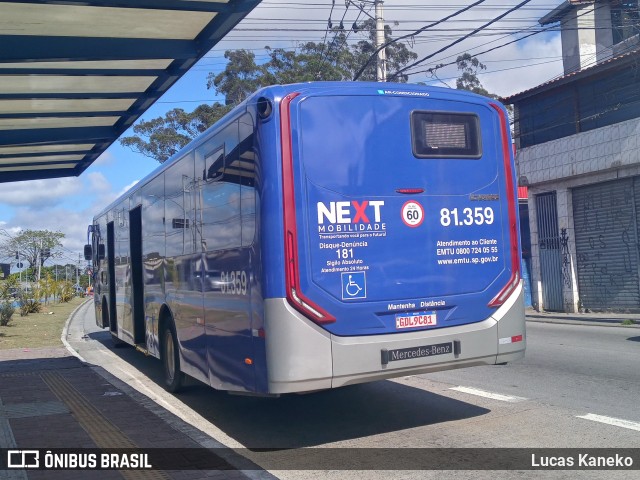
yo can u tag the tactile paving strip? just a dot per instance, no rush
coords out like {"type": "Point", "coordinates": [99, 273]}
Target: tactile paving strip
{"type": "Point", "coordinates": [104, 433]}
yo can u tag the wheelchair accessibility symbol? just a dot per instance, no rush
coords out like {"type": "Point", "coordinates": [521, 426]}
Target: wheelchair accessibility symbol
{"type": "Point", "coordinates": [354, 285]}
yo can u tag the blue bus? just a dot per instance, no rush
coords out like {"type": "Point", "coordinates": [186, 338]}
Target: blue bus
{"type": "Point", "coordinates": [321, 235]}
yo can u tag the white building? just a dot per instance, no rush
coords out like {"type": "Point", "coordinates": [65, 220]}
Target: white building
{"type": "Point", "coordinates": [578, 143]}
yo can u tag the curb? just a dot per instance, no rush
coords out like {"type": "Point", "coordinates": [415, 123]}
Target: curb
{"type": "Point", "coordinates": [65, 332]}
{"type": "Point", "coordinates": [585, 322]}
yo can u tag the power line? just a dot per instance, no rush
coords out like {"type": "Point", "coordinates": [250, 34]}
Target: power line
{"type": "Point", "coordinates": [476, 54]}
{"type": "Point", "coordinates": [440, 37]}
{"type": "Point", "coordinates": [329, 25]}
{"type": "Point", "coordinates": [417, 32]}
{"type": "Point", "coordinates": [544, 29]}
{"type": "Point", "coordinates": [346, 38]}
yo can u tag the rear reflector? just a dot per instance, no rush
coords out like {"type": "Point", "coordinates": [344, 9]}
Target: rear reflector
{"type": "Point", "coordinates": [508, 340]}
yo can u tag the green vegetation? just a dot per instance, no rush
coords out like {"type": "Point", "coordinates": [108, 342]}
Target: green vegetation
{"type": "Point", "coordinates": [337, 59]}
{"type": "Point", "coordinates": [38, 330]}
{"type": "Point", "coordinates": [7, 289]}
{"type": "Point", "coordinates": [43, 307]}
{"type": "Point", "coordinates": [6, 312]}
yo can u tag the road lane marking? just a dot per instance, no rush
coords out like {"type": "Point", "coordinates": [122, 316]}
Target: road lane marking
{"type": "Point", "coordinates": [611, 421]}
{"type": "Point", "coordinates": [485, 394]}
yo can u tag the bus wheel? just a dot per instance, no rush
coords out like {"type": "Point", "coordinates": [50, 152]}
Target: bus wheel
{"type": "Point", "coordinates": [115, 341]}
{"type": "Point", "coordinates": [173, 377]}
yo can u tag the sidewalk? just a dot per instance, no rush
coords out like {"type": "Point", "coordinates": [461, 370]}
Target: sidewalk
{"type": "Point", "coordinates": [593, 319]}
{"type": "Point", "coordinates": [51, 400]}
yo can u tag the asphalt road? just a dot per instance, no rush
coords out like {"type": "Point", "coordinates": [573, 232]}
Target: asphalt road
{"type": "Point", "coordinates": [571, 366]}
{"type": "Point", "coordinates": [577, 387]}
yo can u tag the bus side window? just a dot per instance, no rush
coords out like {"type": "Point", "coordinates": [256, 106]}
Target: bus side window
{"type": "Point", "coordinates": [153, 220]}
{"type": "Point", "coordinates": [179, 208]}
{"type": "Point", "coordinates": [245, 168]}
{"type": "Point", "coordinates": [220, 197]}
{"type": "Point", "coordinates": [214, 162]}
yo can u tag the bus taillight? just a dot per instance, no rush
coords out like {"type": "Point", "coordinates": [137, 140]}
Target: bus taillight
{"type": "Point", "coordinates": [292, 272]}
{"type": "Point", "coordinates": [514, 280]}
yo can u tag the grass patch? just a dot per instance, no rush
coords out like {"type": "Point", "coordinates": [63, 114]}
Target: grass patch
{"type": "Point", "coordinates": [628, 322]}
{"type": "Point", "coordinates": [38, 330]}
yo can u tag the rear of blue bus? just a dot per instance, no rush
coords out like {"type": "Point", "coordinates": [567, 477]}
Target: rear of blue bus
{"type": "Point", "coordinates": [395, 249]}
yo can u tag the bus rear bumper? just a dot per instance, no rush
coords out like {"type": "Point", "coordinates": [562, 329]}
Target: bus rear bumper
{"type": "Point", "coordinates": [301, 356]}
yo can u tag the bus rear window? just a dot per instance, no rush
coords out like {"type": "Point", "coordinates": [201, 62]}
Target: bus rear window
{"type": "Point", "coordinates": [445, 135]}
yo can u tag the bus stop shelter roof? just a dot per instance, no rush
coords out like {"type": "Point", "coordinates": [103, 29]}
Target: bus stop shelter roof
{"type": "Point", "coordinates": [75, 74]}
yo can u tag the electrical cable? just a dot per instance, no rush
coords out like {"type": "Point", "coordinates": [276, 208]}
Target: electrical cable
{"type": "Point", "coordinates": [344, 42]}
{"type": "Point", "coordinates": [502, 15]}
{"type": "Point", "coordinates": [417, 32]}
{"type": "Point", "coordinates": [549, 28]}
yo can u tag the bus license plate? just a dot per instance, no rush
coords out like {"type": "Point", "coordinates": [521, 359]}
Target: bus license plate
{"type": "Point", "coordinates": [413, 320]}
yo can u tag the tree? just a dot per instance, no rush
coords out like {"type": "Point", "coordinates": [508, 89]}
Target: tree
{"type": "Point", "coordinates": [397, 54]}
{"type": "Point", "coordinates": [309, 62]}
{"type": "Point", "coordinates": [162, 137]}
{"type": "Point", "coordinates": [241, 77]}
{"type": "Point", "coordinates": [468, 80]}
{"type": "Point", "coordinates": [167, 135]}
{"type": "Point", "coordinates": [34, 245]}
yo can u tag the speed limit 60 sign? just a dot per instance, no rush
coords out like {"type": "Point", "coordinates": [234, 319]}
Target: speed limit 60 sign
{"type": "Point", "coordinates": [412, 214]}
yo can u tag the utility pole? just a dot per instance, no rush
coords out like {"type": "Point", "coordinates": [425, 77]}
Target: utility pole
{"type": "Point", "coordinates": [38, 259]}
{"type": "Point", "coordinates": [381, 72]}
{"type": "Point", "coordinates": [19, 263]}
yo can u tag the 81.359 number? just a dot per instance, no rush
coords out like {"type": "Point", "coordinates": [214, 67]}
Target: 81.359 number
{"type": "Point", "coordinates": [468, 216]}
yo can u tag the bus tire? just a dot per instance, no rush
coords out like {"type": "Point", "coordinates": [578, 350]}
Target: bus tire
{"type": "Point", "coordinates": [115, 341]}
{"type": "Point", "coordinates": [173, 377]}
{"type": "Point", "coordinates": [105, 314]}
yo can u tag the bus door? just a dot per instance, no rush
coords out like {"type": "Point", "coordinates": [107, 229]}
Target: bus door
{"type": "Point", "coordinates": [111, 276]}
{"type": "Point", "coordinates": [99, 267]}
{"type": "Point", "coordinates": [226, 266]}
{"type": "Point", "coordinates": [137, 281]}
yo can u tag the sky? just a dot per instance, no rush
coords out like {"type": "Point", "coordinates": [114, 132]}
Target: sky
{"type": "Point", "coordinates": [68, 204]}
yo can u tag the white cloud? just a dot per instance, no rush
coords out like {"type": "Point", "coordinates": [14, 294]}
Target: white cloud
{"type": "Point", "coordinates": [72, 224]}
{"type": "Point", "coordinates": [127, 188]}
{"type": "Point", "coordinates": [45, 205]}
{"type": "Point", "coordinates": [104, 192]}
{"type": "Point", "coordinates": [39, 193]}
{"type": "Point", "coordinates": [98, 182]}
{"type": "Point", "coordinates": [105, 159]}
{"type": "Point", "coordinates": [541, 60]}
